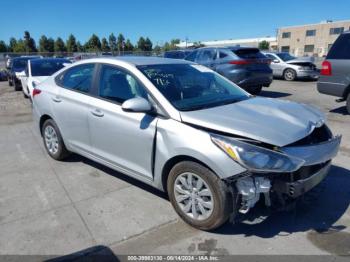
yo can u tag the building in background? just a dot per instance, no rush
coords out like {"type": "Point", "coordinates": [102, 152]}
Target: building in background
{"type": "Point", "coordinates": [250, 42]}
{"type": "Point", "coordinates": [312, 39]}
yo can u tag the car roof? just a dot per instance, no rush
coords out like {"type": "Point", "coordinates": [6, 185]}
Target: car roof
{"type": "Point", "coordinates": [138, 60]}
{"type": "Point", "coordinates": [50, 59]}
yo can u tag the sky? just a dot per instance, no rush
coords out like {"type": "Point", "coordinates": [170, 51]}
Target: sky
{"type": "Point", "coordinates": [162, 20]}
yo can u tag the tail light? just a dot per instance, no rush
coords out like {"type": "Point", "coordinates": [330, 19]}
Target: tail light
{"type": "Point", "coordinates": [326, 68]}
{"type": "Point", "coordinates": [249, 61]}
{"type": "Point", "coordinates": [36, 92]}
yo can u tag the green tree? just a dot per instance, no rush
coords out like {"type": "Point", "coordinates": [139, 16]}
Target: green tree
{"type": "Point", "coordinates": [13, 43]}
{"type": "Point", "coordinates": [112, 42]}
{"type": "Point", "coordinates": [104, 45]}
{"type": "Point", "coordinates": [59, 45]}
{"type": "Point", "coordinates": [141, 44]}
{"type": "Point", "coordinates": [148, 44]}
{"type": "Point", "coordinates": [94, 43]}
{"type": "Point", "coordinates": [120, 42]}
{"type": "Point", "coordinates": [129, 46]}
{"type": "Point", "coordinates": [71, 44]}
{"type": "Point", "coordinates": [20, 46]}
{"type": "Point", "coordinates": [29, 43]}
{"type": "Point", "coordinates": [50, 45]}
{"type": "Point", "coordinates": [3, 47]}
{"type": "Point", "coordinates": [43, 44]}
{"type": "Point", "coordinates": [80, 48]}
{"type": "Point", "coordinates": [264, 45]}
{"type": "Point", "coordinates": [157, 49]}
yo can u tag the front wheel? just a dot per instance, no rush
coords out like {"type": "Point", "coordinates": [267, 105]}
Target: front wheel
{"type": "Point", "coordinates": [289, 74]}
{"type": "Point", "coordinates": [53, 141]}
{"type": "Point", "coordinates": [198, 196]}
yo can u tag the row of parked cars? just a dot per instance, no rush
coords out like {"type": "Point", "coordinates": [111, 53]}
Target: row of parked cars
{"type": "Point", "coordinates": [252, 69]}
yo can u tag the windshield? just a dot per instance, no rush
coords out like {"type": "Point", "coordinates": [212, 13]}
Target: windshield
{"type": "Point", "coordinates": [19, 63]}
{"type": "Point", "coordinates": [192, 87]}
{"type": "Point", "coordinates": [286, 56]}
{"type": "Point", "coordinates": [47, 68]}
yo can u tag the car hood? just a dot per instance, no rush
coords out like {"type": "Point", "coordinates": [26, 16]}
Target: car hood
{"type": "Point", "coordinates": [272, 121]}
{"type": "Point", "coordinates": [301, 60]}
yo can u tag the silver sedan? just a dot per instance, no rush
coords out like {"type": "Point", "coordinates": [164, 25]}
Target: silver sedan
{"type": "Point", "coordinates": [184, 129]}
{"type": "Point", "coordinates": [291, 68]}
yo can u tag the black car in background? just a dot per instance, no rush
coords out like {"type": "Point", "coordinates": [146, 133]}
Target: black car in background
{"type": "Point", "coordinates": [245, 66]}
{"type": "Point", "coordinates": [18, 64]}
{"type": "Point", "coordinates": [335, 73]}
{"type": "Point", "coordinates": [177, 54]}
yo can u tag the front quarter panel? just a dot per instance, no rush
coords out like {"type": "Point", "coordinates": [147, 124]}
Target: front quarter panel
{"type": "Point", "coordinates": [178, 139]}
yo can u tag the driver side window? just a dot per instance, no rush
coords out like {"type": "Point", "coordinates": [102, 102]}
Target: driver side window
{"type": "Point", "coordinates": [118, 86]}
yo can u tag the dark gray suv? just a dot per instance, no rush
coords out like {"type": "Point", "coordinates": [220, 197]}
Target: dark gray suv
{"type": "Point", "coordinates": [245, 66]}
{"type": "Point", "coordinates": [335, 72]}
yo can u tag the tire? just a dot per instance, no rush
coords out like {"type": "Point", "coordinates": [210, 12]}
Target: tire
{"type": "Point", "coordinates": [10, 82]}
{"type": "Point", "coordinates": [57, 150]}
{"type": "Point", "coordinates": [289, 74]}
{"type": "Point", "coordinates": [17, 87]}
{"type": "Point", "coordinates": [348, 103]}
{"type": "Point", "coordinates": [220, 199]}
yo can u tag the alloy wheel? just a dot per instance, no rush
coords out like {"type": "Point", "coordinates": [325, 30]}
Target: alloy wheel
{"type": "Point", "coordinates": [51, 139]}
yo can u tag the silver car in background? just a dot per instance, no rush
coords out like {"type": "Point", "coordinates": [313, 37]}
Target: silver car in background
{"type": "Point", "coordinates": [291, 68]}
{"type": "Point", "coordinates": [186, 130]}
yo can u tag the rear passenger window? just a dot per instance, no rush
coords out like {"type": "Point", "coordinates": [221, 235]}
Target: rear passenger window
{"type": "Point", "coordinates": [222, 55]}
{"type": "Point", "coordinates": [192, 56]}
{"type": "Point", "coordinates": [119, 86]}
{"type": "Point", "coordinates": [78, 78]}
{"type": "Point", "coordinates": [341, 48]}
{"type": "Point", "coordinates": [206, 56]}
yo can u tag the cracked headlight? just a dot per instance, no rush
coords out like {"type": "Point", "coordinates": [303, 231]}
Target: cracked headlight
{"type": "Point", "coordinates": [257, 159]}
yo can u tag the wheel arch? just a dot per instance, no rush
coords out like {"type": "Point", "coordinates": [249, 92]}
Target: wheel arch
{"type": "Point", "coordinates": [175, 160]}
{"type": "Point", "coordinates": [42, 120]}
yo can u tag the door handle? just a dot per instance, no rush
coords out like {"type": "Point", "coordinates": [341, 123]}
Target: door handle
{"type": "Point", "coordinates": [56, 99]}
{"type": "Point", "coordinates": [97, 112]}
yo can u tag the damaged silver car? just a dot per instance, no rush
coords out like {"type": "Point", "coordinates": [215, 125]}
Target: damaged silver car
{"type": "Point", "coordinates": [184, 129]}
{"type": "Point", "coordinates": [291, 68]}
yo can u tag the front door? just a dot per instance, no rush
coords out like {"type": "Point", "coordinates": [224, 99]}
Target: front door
{"type": "Point", "coordinates": [124, 139]}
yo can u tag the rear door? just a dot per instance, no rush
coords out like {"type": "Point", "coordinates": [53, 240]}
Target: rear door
{"type": "Point", "coordinates": [277, 65]}
{"type": "Point", "coordinates": [123, 139]}
{"type": "Point", "coordinates": [207, 57]}
{"type": "Point", "coordinates": [339, 57]}
{"type": "Point", "coordinates": [71, 105]}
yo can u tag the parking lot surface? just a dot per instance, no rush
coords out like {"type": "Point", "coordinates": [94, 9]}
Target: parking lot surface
{"type": "Point", "coordinates": [58, 208]}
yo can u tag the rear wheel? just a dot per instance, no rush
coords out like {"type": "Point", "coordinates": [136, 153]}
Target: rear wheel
{"type": "Point", "coordinates": [18, 87]}
{"type": "Point", "coordinates": [348, 103]}
{"type": "Point", "coordinates": [198, 196]}
{"type": "Point", "coordinates": [289, 74]}
{"type": "Point", "coordinates": [10, 82]}
{"type": "Point", "coordinates": [53, 141]}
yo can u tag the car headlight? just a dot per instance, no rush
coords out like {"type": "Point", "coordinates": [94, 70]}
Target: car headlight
{"type": "Point", "coordinates": [255, 158]}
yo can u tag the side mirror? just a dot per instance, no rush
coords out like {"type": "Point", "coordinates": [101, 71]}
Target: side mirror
{"type": "Point", "coordinates": [276, 61]}
{"type": "Point", "coordinates": [137, 105]}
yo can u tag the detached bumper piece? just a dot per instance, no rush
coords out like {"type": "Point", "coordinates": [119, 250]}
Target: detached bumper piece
{"type": "Point", "coordinates": [299, 187]}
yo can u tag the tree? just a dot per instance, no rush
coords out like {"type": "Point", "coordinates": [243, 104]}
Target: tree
{"type": "Point", "coordinates": [20, 46]}
{"type": "Point", "coordinates": [29, 43]}
{"type": "Point", "coordinates": [3, 47]}
{"type": "Point", "coordinates": [43, 44]}
{"type": "Point", "coordinates": [104, 45]}
{"type": "Point", "coordinates": [112, 42]}
{"type": "Point", "coordinates": [157, 49]}
{"type": "Point", "coordinates": [120, 42]}
{"type": "Point", "coordinates": [80, 48]}
{"type": "Point", "coordinates": [59, 45]}
{"type": "Point", "coordinates": [13, 43]}
{"type": "Point", "coordinates": [264, 45]}
{"type": "Point", "coordinates": [141, 44]}
{"type": "Point", "coordinates": [129, 46]}
{"type": "Point", "coordinates": [50, 45]}
{"type": "Point", "coordinates": [148, 44]}
{"type": "Point", "coordinates": [166, 47]}
{"type": "Point", "coordinates": [71, 44]}
{"type": "Point", "coordinates": [94, 43]}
